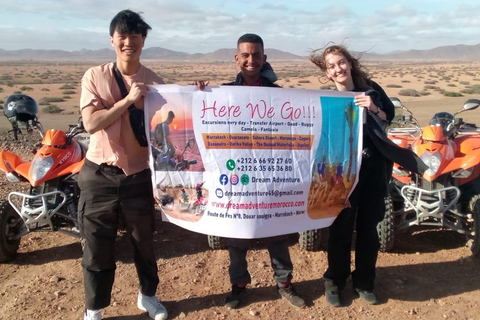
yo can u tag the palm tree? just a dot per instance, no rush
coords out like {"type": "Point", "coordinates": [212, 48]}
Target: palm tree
{"type": "Point", "coordinates": [351, 112]}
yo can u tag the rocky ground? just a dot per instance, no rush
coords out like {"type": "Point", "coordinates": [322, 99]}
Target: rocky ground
{"type": "Point", "coordinates": [429, 275]}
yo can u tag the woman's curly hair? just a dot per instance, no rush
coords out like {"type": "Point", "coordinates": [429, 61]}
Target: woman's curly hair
{"type": "Point", "coordinates": [359, 74]}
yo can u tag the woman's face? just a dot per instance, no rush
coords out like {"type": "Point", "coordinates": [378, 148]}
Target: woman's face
{"type": "Point", "coordinates": [338, 68]}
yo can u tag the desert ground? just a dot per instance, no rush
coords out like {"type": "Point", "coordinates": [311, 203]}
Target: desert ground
{"type": "Point", "coordinates": [429, 275]}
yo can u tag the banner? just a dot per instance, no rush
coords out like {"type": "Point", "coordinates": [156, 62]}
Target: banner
{"type": "Point", "coordinates": [252, 162]}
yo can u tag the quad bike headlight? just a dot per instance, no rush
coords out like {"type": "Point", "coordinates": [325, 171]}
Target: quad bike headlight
{"type": "Point", "coordinates": [40, 167]}
{"type": "Point", "coordinates": [433, 161]}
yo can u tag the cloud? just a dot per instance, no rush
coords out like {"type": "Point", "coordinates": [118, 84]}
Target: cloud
{"type": "Point", "coordinates": [194, 26]}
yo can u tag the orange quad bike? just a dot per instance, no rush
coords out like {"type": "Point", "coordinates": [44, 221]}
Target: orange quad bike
{"type": "Point", "coordinates": [51, 203]}
{"type": "Point", "coordinates": [447, 195]}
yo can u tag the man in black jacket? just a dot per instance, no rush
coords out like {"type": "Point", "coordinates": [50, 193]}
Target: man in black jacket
{"type": "Point", "coordinates": [255, 71]}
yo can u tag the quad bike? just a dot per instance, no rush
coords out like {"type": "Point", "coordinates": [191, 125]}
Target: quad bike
{"type": "Point", "coordinates": [447, 195]}
{"type": "Point", "coordinates": [184, 201]}
{"type": "Point", "coordinates": [309, 240]}
{"type": "Point", "coordinates": [201, 203]}
{"type": "Point", "coordinates": [171, 162]}
{"type": "Point", "coordinates": [51, 203]}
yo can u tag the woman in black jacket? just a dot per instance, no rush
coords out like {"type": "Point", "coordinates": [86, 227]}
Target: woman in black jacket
{"type": "Point", "coordinates": [367, 206]}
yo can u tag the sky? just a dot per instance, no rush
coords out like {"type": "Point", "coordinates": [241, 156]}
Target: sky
{"type": "Point", "coordinates": [295, 26]}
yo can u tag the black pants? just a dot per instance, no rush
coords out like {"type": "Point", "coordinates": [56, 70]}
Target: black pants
{"type": "Point", "coordinates": [367, 209]}
{"type": "Point", "coordinates": [107, 193]}
{"type": "Point", "coordinates": [279, 258]}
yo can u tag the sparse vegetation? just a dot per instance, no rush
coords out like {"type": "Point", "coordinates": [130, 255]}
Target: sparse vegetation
{"type": "Point", "coordinates": [393, 86]}
{"type": "Point", "coordinates": [452, 94]}
{"type": "Point", "coordinates": [52, 109]}
{"type": "Point", "coordinates": [409, 93]}
{"type": "Point", "coordinates": [49, 100]}
{"type": "Point", "coordinates": [67, 86]}
{"type": "Point", "coordinates": [475, 89]}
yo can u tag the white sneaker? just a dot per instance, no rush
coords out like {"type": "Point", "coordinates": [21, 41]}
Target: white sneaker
{"type": "Point", "coordinates": [93, 315]}
{"type": "Point", "coordinates": [154, 308]}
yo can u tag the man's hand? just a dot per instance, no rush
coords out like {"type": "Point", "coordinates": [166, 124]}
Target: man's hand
{"type": "Point", "coordinates": [137, 91]}
{"type": "Point", "coordinates": [201, 84]}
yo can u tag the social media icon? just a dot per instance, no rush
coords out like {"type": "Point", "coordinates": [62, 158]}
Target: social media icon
{"type": "Point", "coordinates": [223, 179]}
{"type": "Point", "coordinates": [234, 179]}
{"type": "Point", "coordinates": [219, 193]}
{"type": "Point", "coordinates": [230, 164]}
{"type": "Point", "coordinates": [245, 179]}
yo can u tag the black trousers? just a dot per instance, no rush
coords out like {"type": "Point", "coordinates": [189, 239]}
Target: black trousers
{"type": "Point", "coordinates": [367, 210]}
{"type": "Point", "coordinates": [279, 259]}
{"type": "Point", "coordinates": [106, 194]}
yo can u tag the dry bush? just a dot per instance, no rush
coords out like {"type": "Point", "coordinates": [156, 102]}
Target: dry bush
{"type": "Point", "coordinates": [393, 86]}
{"type": "Point", "coordinates": [475, 89]}
{"type": "Point", "coordinates": [49, 100]}
{"type": "Point", "coordinates": [452, 94]}
{"type": "Point", "coordinates": [409, 93]}
{"type": "Point", "coordinates": [52, 109]}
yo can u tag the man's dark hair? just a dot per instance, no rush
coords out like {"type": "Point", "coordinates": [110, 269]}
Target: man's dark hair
{"type": "Point", "coordinates": [171, 114]}
{"type": "Point", "coordinates": [250, 37]}
{"type": "Point", "coordinates": [128, 22]}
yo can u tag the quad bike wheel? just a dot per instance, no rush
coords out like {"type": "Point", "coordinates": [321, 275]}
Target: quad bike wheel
{"type": "Point", "coordinates": [10, 225]}
{"type": "Point", "coordinates": [386, 227]}
{"type": "Point", "coordinates": [475, 209]}
{"type": "Point", "coordinates": [217, 243]}
{"type": "Point", "coordinates": [310, 240]}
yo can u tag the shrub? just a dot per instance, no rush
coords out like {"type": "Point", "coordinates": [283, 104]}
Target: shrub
{"type": "Point", "coordinates": [17, 92]}
{"type": "Point", "coordinates": [52, 109]}
{"type": "Point", "coordinates": [49, 100]}
{"type": "Point", "coordinates": [452, 94]}
{"type": "Point", "coordinates": [393, 86]}
{"type": "Point", "coordinates": [68, 92]}
{"type": "Point", "coordinates": [67, 86]}
{"type": "Point", "coordinates": [475, 89]}
{"type": "Point", "coordinates": [405, 81]}
{"type": "Point", "coordinates": [451, 85]}
{"type": "Point", "coordinates": [409, 93]}
{"type": "Point", "coordinates": [45, 89]}
{"type": "Point", "coordinates": [465, 83]}
{"type": "Point", "coordinates": [430, 81]}
{"type": "Point", "coordinates": [25, 88]}
{"type": "Point", "coordinates": [303, 81]}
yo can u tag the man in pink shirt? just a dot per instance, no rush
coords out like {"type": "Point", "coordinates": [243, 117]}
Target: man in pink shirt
{"type": "Point", "coordinates": [115, 180]}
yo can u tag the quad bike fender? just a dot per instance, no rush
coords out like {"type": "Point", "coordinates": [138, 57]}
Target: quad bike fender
{"type": "Point", "coordinates": [468, 161]}
{"type": "Point", "coordinates": [9, 161]}
{"type": "Point", "coordinates": [72, 169]}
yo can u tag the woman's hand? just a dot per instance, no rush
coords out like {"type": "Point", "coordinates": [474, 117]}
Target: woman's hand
{"type": "Point", "coordinates": [366, 102]}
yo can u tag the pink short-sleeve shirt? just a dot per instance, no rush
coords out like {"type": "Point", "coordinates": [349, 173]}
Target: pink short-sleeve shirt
{"type": "Point", "coordinates": [115, 145]}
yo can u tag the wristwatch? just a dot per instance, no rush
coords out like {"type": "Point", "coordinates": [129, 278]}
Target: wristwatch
{"type": "Point", "coordinates": [378, 111]}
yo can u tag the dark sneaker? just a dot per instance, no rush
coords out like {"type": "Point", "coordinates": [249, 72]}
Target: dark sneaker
{"type": "Point", "coordinates": [368, 296]}
{"type": "Point", "coordinates": [291, 295]}
{"type": "Point", "coordinates": [233, 299]}
{"type": "Point", "coordinates": [332, 293]}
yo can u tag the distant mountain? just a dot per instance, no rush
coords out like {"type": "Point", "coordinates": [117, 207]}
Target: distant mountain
{"type": "Point", "coordinates": [458, 52]}
{"type": "Point", "coordinates": [445, 53]}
